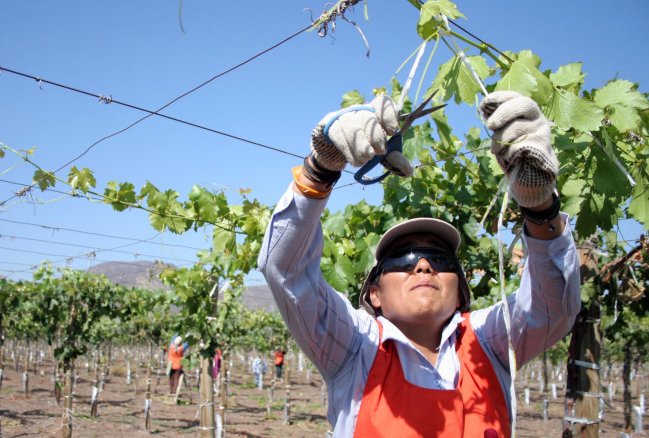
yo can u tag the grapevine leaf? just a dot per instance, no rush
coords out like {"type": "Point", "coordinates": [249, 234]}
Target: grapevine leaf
{"type": "Point", "coordinates": [570, 111]}
{"type": "Point", "coordinates": [44, 179]}
{"type": "Point", "coordinates": [606, 176]}
{"type": "Point", "coordinates": [338, 274]}
{"type": "Point", "coordinates": [525, 77]}
{"type": "Point", "coordinates": [430, 19]}
{"type": "Point", "coordinates": [597, 211]}
{"type": "Point", "coordinates": [335, 225]}
{"type": "Point", "coordinates": [623, 102]}
{"type": "Point", "coordinates": [82, 179]}
{"type": "Point", "coordinates": [119, 195]}
{"type": "Point", "coordinates": [223, 240]}
{"type": "Point", "coordinates": [571, 194]}
{"type": "Point", "coordinates": [639, 206]}
{"type": "Point", "coordinates": [205, 205]}
{"type": "Point", "coordinates": [352, 98]}
{"type": "Point", "coordinates": [568, 76]}
{"type": "Point", "coordinates": [588, 291]}
{"type": "Point", "coordinates": [455, 79]}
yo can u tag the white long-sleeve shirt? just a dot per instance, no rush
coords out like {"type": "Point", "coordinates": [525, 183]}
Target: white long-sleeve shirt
{"type": "Point", "coordinates": [342, 341]}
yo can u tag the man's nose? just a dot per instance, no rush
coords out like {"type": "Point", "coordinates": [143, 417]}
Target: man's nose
{"type": "Point", "coordinates": [423, 266]}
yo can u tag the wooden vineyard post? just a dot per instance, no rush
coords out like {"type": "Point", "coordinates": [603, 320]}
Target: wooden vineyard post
{"type": "Point", "coordinates": [147, 401]}
{"type": "Point", "coordinates": [25, 374]}
{"type": "Point", "coordinates": [2, 357]}
{"type": "Point", "coordinates": [207, 423]}
{"type": "Point", "coordinates": [583, 394]}
{"type": "Point", "coordinates": [544, 387]}
{"type": "Point", "coordinates": [626, 377]}
{"type": "Point", "coordinates": [56, 376]}
{"type": "Point", "coordinates": [66, 419]}
{"type": "Point", "coordinates": [128, 368]}
{"type": "Point", "coordinates": [287, 402]}
{"type": "Point", "coordinates": [223, 396]}
{"type": "Point", "coordinates": [95, 393]}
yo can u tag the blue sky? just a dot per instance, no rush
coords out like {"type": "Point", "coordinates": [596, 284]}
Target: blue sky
{"type": "Point", "coordinates": [137, 53]}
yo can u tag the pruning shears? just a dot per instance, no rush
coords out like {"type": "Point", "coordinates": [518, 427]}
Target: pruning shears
{"type": "Point", "coordinates": [395, 143]}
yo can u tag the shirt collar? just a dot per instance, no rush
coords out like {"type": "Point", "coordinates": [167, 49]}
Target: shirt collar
{"type": "Point", "coordinates": [391, 332]}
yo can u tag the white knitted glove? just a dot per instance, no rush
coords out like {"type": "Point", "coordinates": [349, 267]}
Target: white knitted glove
{"type": "Point", "coordinates": [522, 138]}
{"type": "Point", "coordinates": [356, 134]}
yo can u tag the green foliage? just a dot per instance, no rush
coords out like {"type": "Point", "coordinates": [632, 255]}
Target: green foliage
{"type": "Point", "coordinates": [82, 179]}
{"type": "Point", "coordinates": [352, 98]}
{"type": "Point", "coordinates": [44, 179]}
{"type": "Point", "coordinates": [599, 135]}
{"type": "Point", "coordinates": [454, 79]}
{"type": "Point", "coordinates": [430, 22]}
{"type": "Point", "coordinates": [262, 331]}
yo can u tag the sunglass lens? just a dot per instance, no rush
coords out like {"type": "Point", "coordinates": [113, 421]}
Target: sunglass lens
{"type": "Point", "coordinates": [407, 262]}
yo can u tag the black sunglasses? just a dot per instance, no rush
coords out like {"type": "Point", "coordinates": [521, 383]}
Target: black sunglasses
{"type": "Point", "coordinates": [406, 260]}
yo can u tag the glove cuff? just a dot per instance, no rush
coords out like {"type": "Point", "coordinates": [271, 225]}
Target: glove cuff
{"type": "Point", "coordinates": [543, 216]}
{"type": "Point", "coordinates": [316, 173]}
{"type": "Point", "coordinates": [531, 196]}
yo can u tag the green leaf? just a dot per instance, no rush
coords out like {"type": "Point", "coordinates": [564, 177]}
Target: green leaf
{"type": "Point", "coordinates": [119, 195]}
{"type": "Point", "coordinates": [44, 179]}
{"type": "Point", "coordinates": [430, 19]}
{"type": "Point", "coordinates": [335, 225]}
{"type": "Point", "coordinates": [223, 240]}
{"type": "Point", "coordinates": [352, 98]}
{"type": "Point", "coordinates": [607, 177]}
{"type": "Point", "coordinates": [82, 179]}
{"type": "Point", "coordinates": [455, 80]}
{"type": "Point", "coordinates": [623, 102]}
{"type": "Point", "coordinates": [588, 291]}
{"type": "Point", "coordinates": [639, 206]}
{"type": "Point", "coordinates": [569, 111]}
{"type": "Point", "coordinates": [568, 76]}
{"type": "Point", "coordinates": [571, 196]}
{"type": "Point", "coordinates": [525, 77]}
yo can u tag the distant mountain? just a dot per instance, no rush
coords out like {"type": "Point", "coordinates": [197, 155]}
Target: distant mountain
{"type": "Point", "coordinates": [132, 274]}
{"type": "Point", "coordinates": [259, 297]}
{"type": "Point", "coordinates": [146, 275]}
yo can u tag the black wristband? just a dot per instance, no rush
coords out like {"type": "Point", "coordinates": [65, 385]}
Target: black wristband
{"type": "Point", "coordinates": [316, 173]}
{"type": "Point", "coordinates": [543, 216]}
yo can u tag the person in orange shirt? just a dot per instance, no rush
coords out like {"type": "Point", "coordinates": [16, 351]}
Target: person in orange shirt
{"type": "Point", "coordinates": [175, 356]}
{"type": "Point", "coordinates": [279, 363]}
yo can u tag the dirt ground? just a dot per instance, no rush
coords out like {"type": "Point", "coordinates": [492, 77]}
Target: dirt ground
{"type": "Point", "coordinates": [121, 409]}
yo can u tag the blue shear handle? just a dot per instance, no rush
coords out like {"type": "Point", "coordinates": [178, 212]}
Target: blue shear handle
{"type": "Point", "coordinates": [360, 177]}
{"type": "Point", "coordinates": [394, 144]}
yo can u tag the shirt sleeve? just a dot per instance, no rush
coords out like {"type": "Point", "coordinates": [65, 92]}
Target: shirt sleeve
{"type": "Point", "coordinates": [544, 307]}
{"type": "Point", "coordinates": [321, 320]}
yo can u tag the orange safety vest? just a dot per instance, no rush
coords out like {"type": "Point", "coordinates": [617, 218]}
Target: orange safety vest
{"type": "Point", "coordinates": [176, 356]}
{"type": "Point", "coordinates": [391, 406]}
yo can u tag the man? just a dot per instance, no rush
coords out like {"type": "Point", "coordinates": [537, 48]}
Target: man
{"type": "Point", "coordinates": [279, 363]}
{"type": "Point", "coordinates": [413, 361]}
{"type": "Point", "coordinates": [175, 356]}
{"type": "Point", "coordinates": [259, 368]}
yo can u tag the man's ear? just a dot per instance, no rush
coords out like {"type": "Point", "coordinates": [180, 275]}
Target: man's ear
{"type": "Point", "coordinates": [374, 296]}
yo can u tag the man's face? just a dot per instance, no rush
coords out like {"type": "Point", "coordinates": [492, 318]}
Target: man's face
{"type": "Point", "coordinates": [422, 295]}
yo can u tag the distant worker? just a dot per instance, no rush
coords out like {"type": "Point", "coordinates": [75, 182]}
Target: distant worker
{"type": "Point", "coordinates": [259, 368]}
{"type": "Point", "coordinates": [175, 356]}
{"type": "Point", "coordinates": [279, 362]}
{"type": "Point", "coordinates": [216, 364]}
